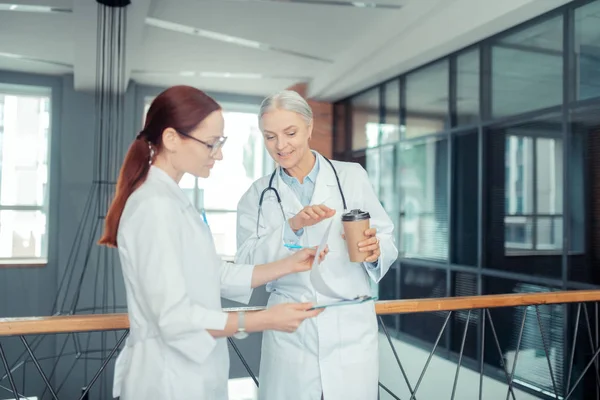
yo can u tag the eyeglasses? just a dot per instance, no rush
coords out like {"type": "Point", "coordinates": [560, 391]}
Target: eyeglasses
{"type": "Point", "coordinates": [213, 147]}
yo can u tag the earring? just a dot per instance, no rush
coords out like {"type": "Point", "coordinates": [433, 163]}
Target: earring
{"type": "Point", "coordinates": [151, 153]}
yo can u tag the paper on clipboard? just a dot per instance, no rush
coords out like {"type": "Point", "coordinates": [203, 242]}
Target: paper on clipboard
{"type": "Point", "coordinates": [316, 273]}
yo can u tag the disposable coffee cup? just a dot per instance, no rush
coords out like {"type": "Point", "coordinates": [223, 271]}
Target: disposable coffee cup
{"type": "Point", "coordinates": [356, 222]}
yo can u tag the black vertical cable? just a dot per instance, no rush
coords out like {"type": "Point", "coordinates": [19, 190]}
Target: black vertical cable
{"type": "Point", "coordinates": [106, 134]}
{"type": "Point", "coordinates": [85, 255]}
{"type": "Point", "coordinates": [120, 90]}
{"type": "Point", "coordinates": [108, 93]}
{"type": "Point", "coordinates": [100, 93]}
{"type": "Point", "coordinates": [118, 142]}
{"type": "Point", "coordinates": [97, 93]}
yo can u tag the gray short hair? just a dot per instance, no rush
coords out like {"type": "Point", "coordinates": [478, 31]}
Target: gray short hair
{"type": "Point", "coordinates": [286, 100]}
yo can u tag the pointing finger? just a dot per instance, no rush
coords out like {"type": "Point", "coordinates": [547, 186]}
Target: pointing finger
{"type": "Point", "coordinates": [320, 211]}
{"type": "Point", "coordinates": [312, 214]}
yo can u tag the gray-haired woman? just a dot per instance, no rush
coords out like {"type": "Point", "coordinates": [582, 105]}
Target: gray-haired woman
{"type": "Point", "coordinates": [334, 356]}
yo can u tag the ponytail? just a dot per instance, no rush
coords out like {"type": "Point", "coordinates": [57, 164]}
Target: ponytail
{"type": "Point", "coordinates": [134, 172]}
{"type": "Point", "coordinates": [182, 108]}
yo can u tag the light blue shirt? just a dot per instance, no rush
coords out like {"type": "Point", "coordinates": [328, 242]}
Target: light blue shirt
{"type": "Point", "coordinates": [304, 192]}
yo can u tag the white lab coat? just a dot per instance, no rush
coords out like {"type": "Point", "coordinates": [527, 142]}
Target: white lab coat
{"type": "Point", "coordinates": [336, 353]}
{"type": "Point", "coordinates": [174, 281]}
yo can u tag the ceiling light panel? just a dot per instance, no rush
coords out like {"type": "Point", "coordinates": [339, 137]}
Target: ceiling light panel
{"type": "Point", "coordinates": [33, 8]}
{"type": "Point", "coordinates": [33, 59]}
{"type": "Point", "coordinates": [238, 41]}
{"type": "Point", "coordinates": [216, 74]}
{"type": "Point", "coordinates": [357, 4]}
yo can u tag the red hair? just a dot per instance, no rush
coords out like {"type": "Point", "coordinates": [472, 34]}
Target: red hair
{"type": "Point", "coordinates": [179, 107]}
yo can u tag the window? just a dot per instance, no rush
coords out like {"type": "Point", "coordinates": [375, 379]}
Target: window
{"type": "Point", "coordinates": [587, 50]}
{"type": "Point", "coordinates": [24, 173]}
{"type": "Point", "coordinates": [467, 87]}
{"type": "Point", "coordinates": [465, 192]}
{"type": "Point", "coordinates": [244, 161]}
{"type": "Point", "coordinates": [533, 193]}
{"type": "Point", "coordinates": [583, 158]}
{"type": "Point", "coordinates": [494, 147]}
{"type": "Point", "coordinates": [365, 120]}
{"type": "Point", "coordinates": [527, 69]}
{"type": "Point", "coordinates": [381, 167]}
{"type": "Point", "coordinates": [387, 184]}
{"type": "Point", "coordinates": [374, 168]}
{"type": "Point", "coordinates": [390, 131]}
{"type": "Point", "coordinates": [242, 164]}
{"type": "Point", "coordinates": [423, 186]}
{"type": "Point", "coordinates": [427, 102]}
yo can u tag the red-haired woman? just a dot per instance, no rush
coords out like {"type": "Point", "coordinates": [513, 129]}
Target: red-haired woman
{"type": "Point", "coordinates": [173, 276]}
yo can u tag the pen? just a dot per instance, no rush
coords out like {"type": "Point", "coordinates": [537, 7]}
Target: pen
{"type": "Point", "coordinates": [204, 216]}
{"type": "Point", "coordinates": [293, 246]}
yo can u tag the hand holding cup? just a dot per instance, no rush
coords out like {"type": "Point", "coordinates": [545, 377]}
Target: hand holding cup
{"type": "Point", "coordinates": [370, 245]}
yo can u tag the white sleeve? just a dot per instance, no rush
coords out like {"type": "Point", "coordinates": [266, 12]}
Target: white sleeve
{"type": "Point", "coordinates": [382, 222]}
{"type": "Point", "coordinates": [236, 281]}
{"type": "Point", "coordinates": [152, 240]}
{"type": "Point", "coordinates": [265, 247]}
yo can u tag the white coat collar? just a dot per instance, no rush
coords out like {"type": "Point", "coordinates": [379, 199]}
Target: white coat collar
{"type": "Point", "coordinates": [326, 184]}
{"type": "Point", "coordinates": [157, 175]}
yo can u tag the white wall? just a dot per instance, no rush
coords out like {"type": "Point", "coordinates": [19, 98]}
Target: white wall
{"type": "Point", "coordinates": [439, 378]}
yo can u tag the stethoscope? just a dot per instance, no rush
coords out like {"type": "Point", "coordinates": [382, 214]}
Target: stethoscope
{"type": "Point", "coordinates": [270, 187]}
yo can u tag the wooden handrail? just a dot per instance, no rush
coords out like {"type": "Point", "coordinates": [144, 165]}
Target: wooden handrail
{"type": "Point", "coordinates": [487, 301]}
{"type": "Point", "coordinates": [110, 322]}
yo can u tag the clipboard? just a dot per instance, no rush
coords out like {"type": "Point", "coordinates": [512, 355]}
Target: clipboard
{"type": "Point", "coordinates": [356, 300]}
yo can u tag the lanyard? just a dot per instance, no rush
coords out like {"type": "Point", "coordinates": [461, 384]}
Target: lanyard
{"type": "Point", "coordinates": [203, 212]}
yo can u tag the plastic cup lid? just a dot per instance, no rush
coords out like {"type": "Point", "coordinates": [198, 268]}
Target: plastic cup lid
{"type": "Point", "coordinates": [355, 215]}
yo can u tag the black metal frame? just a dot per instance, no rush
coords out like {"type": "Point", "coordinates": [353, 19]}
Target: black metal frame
{"type": "Point", "coordinates": [487, 122]}
{"type": "Point", "coordinates": [505, 373]}
{"type": "Point", "coordinates": [30, 348]}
